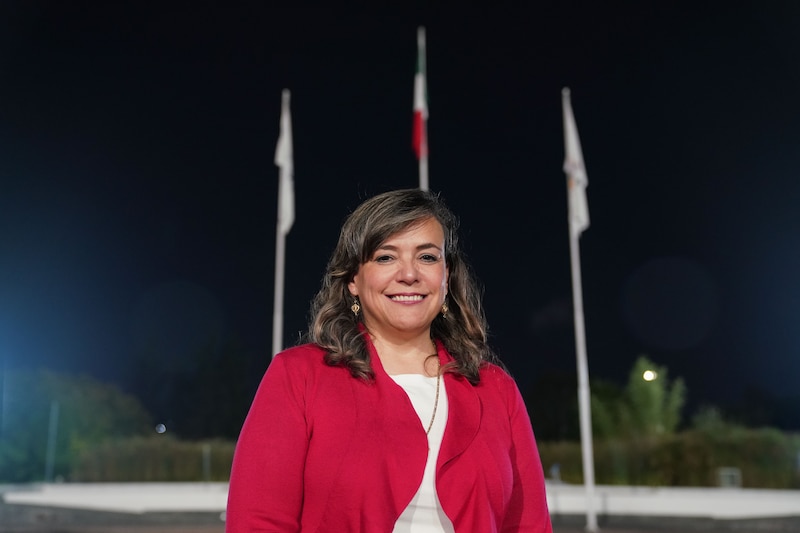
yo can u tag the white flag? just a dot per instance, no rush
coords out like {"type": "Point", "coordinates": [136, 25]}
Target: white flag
{"type": "Point", "coordinates": [285, 161]}
{"type": "Point", "coordinates": [577, 180]}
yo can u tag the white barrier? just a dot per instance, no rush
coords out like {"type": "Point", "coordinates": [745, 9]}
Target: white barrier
{"type": "Point", "coordinates": [564, 499]}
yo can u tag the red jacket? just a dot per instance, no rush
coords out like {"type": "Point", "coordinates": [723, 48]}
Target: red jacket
{"type": "Point", "coordinates": [322, 451]}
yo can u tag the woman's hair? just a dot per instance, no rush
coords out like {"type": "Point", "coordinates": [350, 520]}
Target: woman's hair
{"type": "Point", "coordinates": [335, 328]}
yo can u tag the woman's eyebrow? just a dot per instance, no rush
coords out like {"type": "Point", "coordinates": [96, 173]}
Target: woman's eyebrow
{"type": "Point", "coordinates": [425, 246]}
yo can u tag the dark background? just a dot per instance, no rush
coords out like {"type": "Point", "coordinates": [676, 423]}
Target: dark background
{"type": "Point", "coordinates": [138, 193]}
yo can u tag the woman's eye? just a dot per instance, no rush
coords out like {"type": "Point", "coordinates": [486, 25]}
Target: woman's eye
{"type": "Point", "coordinates": [429, 258]}
{"type": "Point", "coordinates": [383, 258]}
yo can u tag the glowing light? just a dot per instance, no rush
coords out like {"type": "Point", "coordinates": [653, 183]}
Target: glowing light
{"type": "Point", "coordinates": [649, 375]}
{"type": "Point", "coordinates": [161, 428]}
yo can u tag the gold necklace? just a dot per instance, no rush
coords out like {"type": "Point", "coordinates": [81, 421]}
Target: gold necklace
{"type": "Point", "coordinates": [438, 382]}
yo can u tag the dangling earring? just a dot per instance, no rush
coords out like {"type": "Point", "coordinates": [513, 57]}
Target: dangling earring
{"type": "Point", "coordinates": [444, 310]}
{"type": "Point", "coordinates": [355, 308]}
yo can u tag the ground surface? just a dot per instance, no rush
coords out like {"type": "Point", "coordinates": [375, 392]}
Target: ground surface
{"type": "Point", "coordinates": [32, 519]}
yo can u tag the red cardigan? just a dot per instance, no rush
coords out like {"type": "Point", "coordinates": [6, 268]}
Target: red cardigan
{"type": "Point", "coordinates": [322, 451]}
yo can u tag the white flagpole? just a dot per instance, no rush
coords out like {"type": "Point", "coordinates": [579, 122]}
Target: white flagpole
{"type": "Point", "coordinates": [277, 306]}
{"type": "Point", "coordinates": [578, 221]}
{"type": "Point", "coordinates": [423, 158]}
{"type": "Point", "coordinates": [284, 159]}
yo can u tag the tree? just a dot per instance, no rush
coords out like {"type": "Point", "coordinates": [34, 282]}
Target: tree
{"type": "Point", "coordinates": [609, 408]}
{"type": "Point", "coordinates": [648, 406]}
{"type": "Point", "coordinates": [655, 404]}
{"type": "Point", "coordinates": [88, 412]}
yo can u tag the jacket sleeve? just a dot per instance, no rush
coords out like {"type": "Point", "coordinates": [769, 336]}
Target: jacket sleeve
{"type": "Point", "coordinates": [527, 510]}
{"type": "Point", "coordinates": [265, 493]}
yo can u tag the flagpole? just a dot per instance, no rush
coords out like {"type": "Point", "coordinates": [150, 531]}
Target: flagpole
{"type": "Point", "coordinates": [423, 169]}
{"type": "Point", "coordinates": [584, 396]}
{"type": "Point", "coordinates": [284, 159]}
{"type": "Point", "coordinates": [423, 155]}
{"type": "Point", "coordinates": [578, 216]}
{"type": "Point", "coordinates": [277, 306]}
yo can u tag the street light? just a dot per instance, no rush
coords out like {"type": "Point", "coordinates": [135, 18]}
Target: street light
{"type": "Point", "coordinates": [649, 375]}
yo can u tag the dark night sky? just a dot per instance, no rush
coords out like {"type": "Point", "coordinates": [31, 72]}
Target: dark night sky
{"type": "Point", "coordinates": [138, 193]}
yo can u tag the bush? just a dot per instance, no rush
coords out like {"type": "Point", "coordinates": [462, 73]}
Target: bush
{"type": "Point", "coordinates": [767, 458]}
{"type": "Point", "coordinates": [156, 458]}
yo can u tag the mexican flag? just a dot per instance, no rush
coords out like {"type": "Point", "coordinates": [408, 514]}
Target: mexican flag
{"type": "Point", "coordinates": [420, 136]}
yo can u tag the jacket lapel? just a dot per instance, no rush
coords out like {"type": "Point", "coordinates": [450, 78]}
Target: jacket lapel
{"type": "Point", "coordinates": [463, 416]}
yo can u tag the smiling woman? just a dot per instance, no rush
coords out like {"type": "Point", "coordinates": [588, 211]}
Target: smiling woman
{"type": "Point", "coordinates": [401, 289]}
{"type": "Point", "coordinates": [395, 414]}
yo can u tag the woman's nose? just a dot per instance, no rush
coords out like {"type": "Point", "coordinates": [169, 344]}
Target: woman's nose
{"type": "Point", "coordinates": [408, 272]}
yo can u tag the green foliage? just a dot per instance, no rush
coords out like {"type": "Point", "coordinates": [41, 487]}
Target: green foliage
{"type": "Point", "coordinates": [154, 458]}
{"type": "Point", "coordinates": [84, 412]}
{"type": "Point", "coordinates": [767, 458]}
{"type": "Point", "coordinates": [645, 408]}
{"type": "Point", "coordinates": [709, 419]}
{"type": "Point", "coordinates": [609, 409]}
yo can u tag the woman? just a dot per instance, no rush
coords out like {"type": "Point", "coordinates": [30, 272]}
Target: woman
{"type": "Point", "coordinates": [393, 416]}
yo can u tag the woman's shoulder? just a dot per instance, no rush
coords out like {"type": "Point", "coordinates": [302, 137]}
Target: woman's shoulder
{"type": "Point", "coordinates": [496, 382]}
{"type": "Point", "coordinates": [301, 363]}
{"type": "Point", "coordinates": [302, 354]}
{"type": "Point", "coordinates": [302, 350]}
{"type": "Point", "coordinates": [494, 375]}
{"type": "Point", "coordinates": [495, 372]}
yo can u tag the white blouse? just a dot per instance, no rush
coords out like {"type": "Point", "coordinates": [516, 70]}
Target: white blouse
{"type": "Point", "coordinates": [424, 514]}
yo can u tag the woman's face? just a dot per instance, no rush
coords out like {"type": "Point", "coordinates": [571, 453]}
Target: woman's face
{"type": "Point", "coordinates": [403, 285]}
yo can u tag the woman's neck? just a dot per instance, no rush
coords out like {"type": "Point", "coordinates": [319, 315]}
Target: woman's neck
{"type": "Point", "coordinates": [411, 356]}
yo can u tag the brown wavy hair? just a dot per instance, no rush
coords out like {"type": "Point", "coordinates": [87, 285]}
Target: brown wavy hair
{"type": "Point", "coordinates": [335, 328]}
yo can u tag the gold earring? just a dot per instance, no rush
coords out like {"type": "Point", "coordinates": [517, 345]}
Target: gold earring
{"type": "Point", "coordinates": [444, 310]}
{"type": "Point", "coordinates": [355, 308]}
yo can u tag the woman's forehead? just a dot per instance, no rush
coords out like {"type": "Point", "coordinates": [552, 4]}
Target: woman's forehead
{"type": "Point", "coordinates": [428, 228]}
